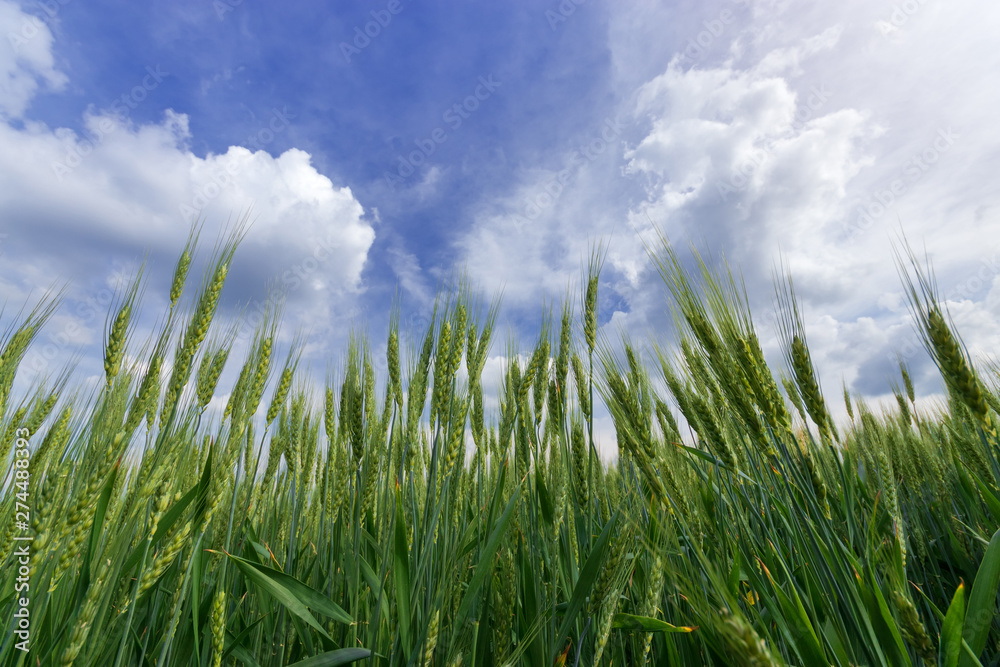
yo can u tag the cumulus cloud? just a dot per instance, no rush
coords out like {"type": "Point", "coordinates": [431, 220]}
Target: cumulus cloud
{"type": "Point", "coordinates": [792, 137]}
{"type": "Point", "coordinates": [725, 155]}
{"type": "Point", "coordinates": [26, 60]}
{"type": "Point", "coordinates": [803, 138]}
{"type": "Point", "coordinates": [137, 189]}
{"type": "Point", "coordinates": [77, 205]}
{"type": "Point", "coordinates": [141, 185]}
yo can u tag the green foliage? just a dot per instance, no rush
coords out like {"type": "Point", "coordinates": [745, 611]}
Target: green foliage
{"type": "Point", "coordinates": [358, 527]}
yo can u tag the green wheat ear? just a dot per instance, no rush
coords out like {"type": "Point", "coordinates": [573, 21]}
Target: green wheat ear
{"type": "Point", "coordinates": [961, 380]}
{"type": "Point", "coordinates": [367, 531]}
{"type": "Point", "coordinates": [805, 377]}
{"type": "Point", "coordinates": [954, 366]}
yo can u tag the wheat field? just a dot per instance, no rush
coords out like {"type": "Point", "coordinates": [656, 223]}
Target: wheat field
{"type": "Point", "coordinates": [397, 521]}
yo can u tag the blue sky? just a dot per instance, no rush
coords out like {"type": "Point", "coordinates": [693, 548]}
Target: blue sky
{"type": "Point", "coordinates": [750, 128]}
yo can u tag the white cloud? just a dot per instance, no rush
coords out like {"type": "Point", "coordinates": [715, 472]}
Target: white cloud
{"type": "Point", "coordinates": [727, 155]}
{"type": "Point", "coordinates": [739, 157]}
{"type": "Point", "coordinates": [76, 206]}
{"type": "Point", "coordinates": [815, 121]}
{"type": "Point", "coordinates": [534, 242]}
{"type": "Point", "coordinates": [779, 136]}
{"type": "Point", "coordinates": [25, 59]}
{"type": "Point", "coordinates": [140, 187]}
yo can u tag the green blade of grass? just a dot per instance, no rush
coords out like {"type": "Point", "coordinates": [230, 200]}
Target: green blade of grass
{"type": "Point", "coordinates": [401, 570]}
{"type": "Point", "coordinates": [981, 609]}
{"type": "Point", "coordinates": [581, 590]}
{"type": "Point", "coordinates": [244, 656]}
{"type": "Point", "coordinates": [529, 604]}
{"type": "Point", "coordinates": [633, 623]}
{"type": "Point", "coordinates": [951, 631]}
{"type": "Point", "coordinates": [101, 511]}
{"type": "Point", "coordinates": [341, 656]}
{"type": "Point", "coordinates": [236, 643]}
{"type": "Point", "coordinates": [95, 532]}
{"type": "Point", "coordinates": [992, 502]}
{"type": "Point", "coordinates": [196, 571]}
{"type": "Point", "coordinates": [292, 593]}
{"type": "Point", "coordinates": [374, 583]}
{"type": "Point", "coordinates": [803, 635]}
{"type": "Point", "coordinates": [485, 565]}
